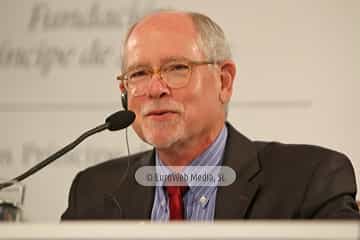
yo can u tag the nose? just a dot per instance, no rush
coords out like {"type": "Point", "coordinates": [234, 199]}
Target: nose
{"type": "Point", "coordinates": [157, 87]}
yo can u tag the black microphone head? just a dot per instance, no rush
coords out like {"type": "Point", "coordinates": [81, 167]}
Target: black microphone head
{"type": "Point", "coordinates": [120, 120]}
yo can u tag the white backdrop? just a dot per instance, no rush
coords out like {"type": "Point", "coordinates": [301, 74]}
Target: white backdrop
{"type": "Point", "coordinates": [298, 70]}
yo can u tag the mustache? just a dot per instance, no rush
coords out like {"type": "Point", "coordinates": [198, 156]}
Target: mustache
{"type": "Point", "coordinates": [168, 105]}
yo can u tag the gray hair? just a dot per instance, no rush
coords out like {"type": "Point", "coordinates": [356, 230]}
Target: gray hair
{"type": "Point", "coordinates": [211, 38]}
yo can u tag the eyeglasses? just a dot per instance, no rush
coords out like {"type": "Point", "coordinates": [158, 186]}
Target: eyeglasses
{"type": "Point", "coordinates": [176, 74]}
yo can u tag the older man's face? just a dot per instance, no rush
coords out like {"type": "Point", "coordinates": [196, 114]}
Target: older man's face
{"type": "Point", "coordinates": [169, 117]}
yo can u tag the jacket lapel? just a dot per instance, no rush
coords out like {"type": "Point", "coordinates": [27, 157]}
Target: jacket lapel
{"type": "Point", "coordinates": [234, 201]}
{"type": "Point", "coordinates": [132, 200]}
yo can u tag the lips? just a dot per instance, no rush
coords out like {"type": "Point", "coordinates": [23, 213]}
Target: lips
{"type": "Point", "coordinates": [160, 112]}
{"type": "Point", "coordinates": [156, 110]}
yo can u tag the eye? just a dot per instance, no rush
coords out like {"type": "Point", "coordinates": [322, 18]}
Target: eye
{"type": "Point", "coordinates": [177, 67]}
{"type": "Point", "coordinates": [137, 74]}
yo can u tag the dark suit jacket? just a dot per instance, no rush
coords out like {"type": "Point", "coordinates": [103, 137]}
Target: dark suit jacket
{"type": "Point", "coordinates": [274, 181]}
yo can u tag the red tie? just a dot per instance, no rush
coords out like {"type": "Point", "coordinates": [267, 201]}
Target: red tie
{"type": "Point", "coordinates": [176, 205]}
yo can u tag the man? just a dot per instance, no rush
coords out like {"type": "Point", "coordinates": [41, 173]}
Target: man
{"type": "Point", "coordinates": [178, 78]}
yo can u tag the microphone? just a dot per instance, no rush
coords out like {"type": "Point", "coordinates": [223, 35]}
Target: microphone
{"type": "Point", "coordinates": [119, 120]}
{"type": "Point", "coordinates": [114, 122]}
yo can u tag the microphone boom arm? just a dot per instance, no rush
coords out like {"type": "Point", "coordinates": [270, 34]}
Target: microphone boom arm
{"type": "Point", "coordinates": [116, 121]}
{"type": "Point", "coordinates": [55, 156]}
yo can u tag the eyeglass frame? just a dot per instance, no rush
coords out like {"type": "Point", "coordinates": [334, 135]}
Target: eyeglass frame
{"type": "Point", "coordinates": [159, 71]}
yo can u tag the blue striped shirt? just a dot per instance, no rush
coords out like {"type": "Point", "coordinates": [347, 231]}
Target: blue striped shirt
{"type": "Point", "coordinates": [199, 201]}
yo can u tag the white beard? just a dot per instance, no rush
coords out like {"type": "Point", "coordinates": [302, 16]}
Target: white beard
{"type": "Point", "coordinates": [164, 134]}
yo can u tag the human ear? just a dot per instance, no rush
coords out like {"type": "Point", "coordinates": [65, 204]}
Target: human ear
{"type": "Point", "coordinates": [227, 76]}
{"type": "Point", "coordinates": [122, 87]}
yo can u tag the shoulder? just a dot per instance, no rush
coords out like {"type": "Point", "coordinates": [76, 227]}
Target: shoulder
{"type": "Point", "coordinates": [319, 172]}
{"type": "Point", "coordinates": [273, 155]}
{"type": "Point", "coordinates": [292, 164]}
{"type": "Point", "coordinates": [91, 186]}
{"type": "Point", "coordinates": [299, 156]}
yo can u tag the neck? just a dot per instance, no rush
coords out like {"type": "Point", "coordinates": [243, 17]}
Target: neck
{"type": "Point", "coordinates": [183, 153]}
